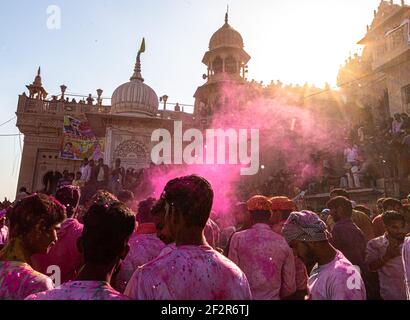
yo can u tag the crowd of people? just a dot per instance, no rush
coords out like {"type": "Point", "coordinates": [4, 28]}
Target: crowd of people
{"type": "Point", "coordinates": [374, 155]}
{"type": "Point", "coordinates": [177, 248]}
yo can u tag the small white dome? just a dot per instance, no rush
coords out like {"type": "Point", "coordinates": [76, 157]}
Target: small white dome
{"type": "Point", "coordinates": [134, 97]}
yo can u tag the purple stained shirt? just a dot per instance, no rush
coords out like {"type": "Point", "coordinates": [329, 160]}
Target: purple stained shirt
{"type": "Point", "coordinates": [80, 290]}
{"type": "Point", "coordinates": [64, 253]}
{"type": "Point", "coordinates": [406, 264]}
{"type": "Point", "coordinates": [349, 239]}
{"type": "Point", "coordinates": [337, 280]}
{"type": "Point", "coordinates": [189, 273]}
{"type": "Point", "coordinates": [267, 260]}
{"type": "Point", "coordinates": [18, 280]}
{"type": "Point", "coordinates": [143, 249]}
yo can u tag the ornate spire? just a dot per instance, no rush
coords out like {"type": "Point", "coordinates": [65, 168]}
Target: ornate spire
{"type": "Point", "coordinates": [36, 88]}
{"type": "Point", "coordinates": [227, 14]}
{"type": "Point", "coordinates": [37, 79]}
{"type": "Point", "coordinates": [137, 70]}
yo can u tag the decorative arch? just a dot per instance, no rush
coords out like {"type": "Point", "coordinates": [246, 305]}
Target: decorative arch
{"type": "Point", "coordinates": [217, 65]}
{"type": "Point", "coordinates": [132, 152]}
{"type": "Point", "coordinates": [231, 65]}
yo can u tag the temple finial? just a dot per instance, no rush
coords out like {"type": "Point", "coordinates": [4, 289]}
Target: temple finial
{"type": "Point", "coordinates": [39, 71]}
{"type": "Point", "coordinates": [137, 70]}
{"type": "Point", "coordinates": [227, 14]}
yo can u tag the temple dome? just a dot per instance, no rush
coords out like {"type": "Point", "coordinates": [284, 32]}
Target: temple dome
{"type": "Point", "coordinates": [135, 97]}
{"type": "Point", "coordinates": [226, 36]}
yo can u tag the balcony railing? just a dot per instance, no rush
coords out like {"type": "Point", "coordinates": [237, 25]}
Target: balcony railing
{"type": "Point", "coordinates": [30, 105]}
{"type": "Point", "coordinates": [395, 43]}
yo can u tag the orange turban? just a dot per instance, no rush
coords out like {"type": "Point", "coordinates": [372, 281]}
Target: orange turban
{"type": "Point", "coordinates": [282, 203]}
{"type": "Point", "coordinates": [259, 203]}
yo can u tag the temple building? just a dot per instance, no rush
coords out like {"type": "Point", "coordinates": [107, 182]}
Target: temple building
{"type": "Point", "coordinates": [379, 78]}
{"type": "Point", "coordinates": [126, 125]}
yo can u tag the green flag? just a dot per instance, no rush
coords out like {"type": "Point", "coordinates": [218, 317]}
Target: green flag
{"type": "Point", "coordinates": [142, 49]}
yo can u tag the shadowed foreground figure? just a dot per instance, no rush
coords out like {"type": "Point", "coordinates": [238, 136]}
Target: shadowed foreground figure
{"type": "Point", "coordinates": [192, 271]}
{"type": "Point", "coordinates": [144, 245]}
{"type": "Point", "coordinates": [34, 222]}
{"type": "Point", "coordinates": [333, 277]}
{"type": "Point", "coordinates": [104, 244]}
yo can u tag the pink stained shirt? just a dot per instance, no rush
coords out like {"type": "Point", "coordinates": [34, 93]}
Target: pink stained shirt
{"type": "Point", "coordinates": [64, 253]}
{"type": "Point", "coordinates": [80, 290]}
{"type": "Point", "coordinates": [18, 280]}
{"type": "Point", "coordinates": [143, 248]}
{"type": "Point", "coordinates": [189, 273]}
{"type": "Point", "coordinates": [267, 260]}
{"type": "Point", "coordinates": [337, 280]}
{"type": "Point", "coordinates": [391, 274]}
{"type": "Point", "coordinates": [406, 264]}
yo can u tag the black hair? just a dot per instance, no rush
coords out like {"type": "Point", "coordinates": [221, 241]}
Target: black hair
{"type": "Point", "coordinates": [339, 193]}
{"type": "Point", "coordinates": [192, 196]}
{"type": "Point", "coordinates": [390, 216]}
{"type": "Point", "coordinates": [260, 215]}
{"type": "Point", "coordinates": [69, 196]}
{"type": "Point", "coordinates": [125, 195]}
{"type": "Point", "coordinates": [363, 209]}
{"type": "Point", "coordinates": [28, 212]}
{"type": "Point", "coordinates": [340, 202]}
{"type": "Point", "coordinates": [107, 226]}
{"type": "Point", "coordinates": [391, 202]}
{"type": "Point", "coordinates": [144, 210]}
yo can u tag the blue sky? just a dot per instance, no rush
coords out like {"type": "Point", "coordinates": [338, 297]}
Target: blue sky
{"type": "Point", "coordinates": [294, 41]}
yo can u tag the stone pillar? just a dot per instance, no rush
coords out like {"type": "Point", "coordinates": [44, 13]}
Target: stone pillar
{"type": "Point", "coordinates": [108, 147]}
{"type": "Point", "coordinates": [28, 166]}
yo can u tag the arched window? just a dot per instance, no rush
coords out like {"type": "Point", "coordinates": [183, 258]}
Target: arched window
{"type": "Point", "coordinates": [217, 65]}
{"type": "Point", "coordinates": [230, 65]}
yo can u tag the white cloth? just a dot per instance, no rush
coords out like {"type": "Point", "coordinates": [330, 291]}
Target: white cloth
{"type": "Point", "coordinates": [80, 290]}
{"type": "Point", "coordinates": [351, 154]}
{"type": "Point", "coordinates": [189, 273]}
{"type": "Point", "coordinates": [4, 235]}
{"type": "Point", "coordinates": [267, 261]}
{"type": "Point", "coordinates": [337, 280]}
{"type": "Point", "coordinates": [85, 173]}
{"type": "Point", "coordinates": [396, 126]}
{"type": "Point", "coordinates": [100, 176]}
{"type": "Point", "coordinates": [391, 274]}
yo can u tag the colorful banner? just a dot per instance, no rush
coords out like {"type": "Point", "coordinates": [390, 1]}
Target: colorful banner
{"type": "Point", "coordinates": [79, 141]}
